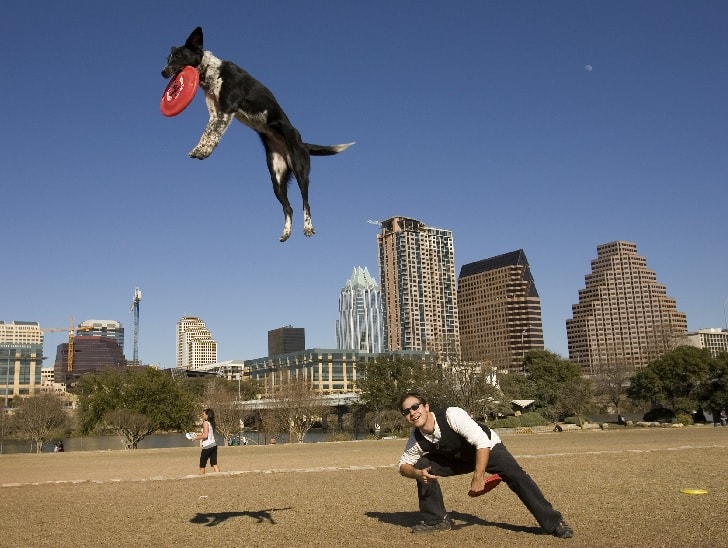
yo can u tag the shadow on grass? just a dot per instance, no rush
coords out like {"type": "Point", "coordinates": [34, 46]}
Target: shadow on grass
{"type": "Point", "coordinates": [212, 519]}
{"type": "Point", "coordinates": [408, 519]}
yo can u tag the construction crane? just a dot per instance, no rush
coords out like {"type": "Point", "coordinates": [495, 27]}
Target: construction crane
{"type": "Point", "coordinates": [135, 309]}
{"type": "Point", "coordinates": [70, 340]}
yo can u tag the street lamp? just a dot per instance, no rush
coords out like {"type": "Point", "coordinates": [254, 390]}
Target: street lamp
{"type": "Point", "coordinates": [4, 411]}
{"type": "Point", "coordinates": [7, 377]}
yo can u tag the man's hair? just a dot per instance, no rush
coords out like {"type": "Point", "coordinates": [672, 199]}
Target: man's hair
{"type": "Point", "coordinates": [412, 394]}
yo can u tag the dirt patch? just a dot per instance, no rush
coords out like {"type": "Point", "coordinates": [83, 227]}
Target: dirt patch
{"type": "Point", "coordinates": [619, 487]}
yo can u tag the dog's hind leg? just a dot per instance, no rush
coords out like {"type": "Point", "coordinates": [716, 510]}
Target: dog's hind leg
{"type": "Point", "coordinates": [280, 174]}
{"type": "Point", "coordinates": [302, 168]}
{"type": "Point", "coordinates": [300, 162]}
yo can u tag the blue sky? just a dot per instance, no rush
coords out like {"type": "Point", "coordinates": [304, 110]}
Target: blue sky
{"type": "Point", "coordinates": [547, 126]}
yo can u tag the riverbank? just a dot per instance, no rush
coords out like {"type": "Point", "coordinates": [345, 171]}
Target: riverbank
{"type": "Point", "coordinates": [617, 487]}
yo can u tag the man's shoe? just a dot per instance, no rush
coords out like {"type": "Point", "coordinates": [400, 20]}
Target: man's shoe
{"type": "Point", "coordinates": [442, 525]}
{"type": "Point", "coordinates": [563, 531]}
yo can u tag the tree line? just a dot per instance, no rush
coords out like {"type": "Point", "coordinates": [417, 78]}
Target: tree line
{"type": "Point", "coordinates": [135, 403]}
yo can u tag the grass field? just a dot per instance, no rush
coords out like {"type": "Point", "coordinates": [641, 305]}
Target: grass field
{"type": "Point", "coordinates": [617, 487]}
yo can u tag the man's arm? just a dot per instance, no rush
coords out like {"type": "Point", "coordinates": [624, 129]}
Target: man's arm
{"type": "Point", "coordinates": [481, 463]}
{"type": "Point", "coordinates": [424, 476]}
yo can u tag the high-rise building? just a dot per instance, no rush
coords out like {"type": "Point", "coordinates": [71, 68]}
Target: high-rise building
{"type": "Point", "coordinates": [195, 345]}
{"type": "Point", "coordinates": [91, 354]}
{"type": "Point", "coordinates": [624, 317]}
{"type": "Point", "coordinates": [713, 339]}
{"type": "Point", "coordinates": [21, 359]}
{"type": "Point", "coordinates": [499, 311]}
{"type": "Point", "coordinates": [102, 328]}
{"type": "Point", "coordinates": [360, 326]}
{"type": "Point", "coordinates": [285, 340]}
{"type": "Point", "coordinates": [417, 277]}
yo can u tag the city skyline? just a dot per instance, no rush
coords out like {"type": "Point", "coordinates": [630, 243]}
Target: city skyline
{"type": "Point", "coordinates": [86, 325]}
{"type": "Point", "coordinates": [480, 117]}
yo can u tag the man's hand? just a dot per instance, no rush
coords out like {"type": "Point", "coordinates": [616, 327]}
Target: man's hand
{"type": "Point", "coordinates": [426, 477]}
{"type": "Point", "coordinates": [477, 484]}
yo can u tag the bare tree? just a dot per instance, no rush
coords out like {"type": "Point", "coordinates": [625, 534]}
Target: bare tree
{"type": "Point", "coordinates": [471, 385]}
{"type": "Point", "coordinates": [611, 382]}
{"type": "Point", "coordinates": [40, 418]}
{"type": "Point", "coordinates": [228, 415]}
{"type": "Point", "coordinates": [297, 407]}
{"type": "Point", "coordinates": [130, 426]}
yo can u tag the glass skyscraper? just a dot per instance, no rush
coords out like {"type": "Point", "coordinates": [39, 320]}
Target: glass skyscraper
{"type": "Point", "coordinates": [360, 324]}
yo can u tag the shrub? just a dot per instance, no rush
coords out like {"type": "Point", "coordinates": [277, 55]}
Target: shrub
{"type": "Point", "coordinates": [659, 414]}
{"type": "Point", "coordinates": [526, 419]}
{"type": "Point", "coordinates": [339, 436]}
{"type": "Point", "coordinates": [684, 419]}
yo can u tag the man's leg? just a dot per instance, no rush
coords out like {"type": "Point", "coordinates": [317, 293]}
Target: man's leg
{"type": "Point", "coordinates": [501, 462]}
{"type": "Point", "coordinates": [432, 504]}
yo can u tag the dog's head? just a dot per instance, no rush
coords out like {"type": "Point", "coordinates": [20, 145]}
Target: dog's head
{"type": "Point", "coordinates": [188, 55]}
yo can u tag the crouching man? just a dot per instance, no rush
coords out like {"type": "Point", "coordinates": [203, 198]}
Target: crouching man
{"type": "Point", "coordinates": [449, 442]}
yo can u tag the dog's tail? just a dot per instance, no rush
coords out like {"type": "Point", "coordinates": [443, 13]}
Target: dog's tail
{"type": "Point", "coordinates": [322, 150]}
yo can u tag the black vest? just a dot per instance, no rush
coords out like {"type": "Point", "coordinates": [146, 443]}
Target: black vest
{"type": "Point", "coordinates": [451, 445]}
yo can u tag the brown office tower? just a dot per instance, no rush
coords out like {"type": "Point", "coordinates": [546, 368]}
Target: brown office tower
{"type": "Point", "coordinates": [285, 340]}
{"type": "Point", "coordinates": [499, 311]}
{"type": "Point", "coordinates": [624, 318]}
{"type": "Point", "coordinates": [417, 277]}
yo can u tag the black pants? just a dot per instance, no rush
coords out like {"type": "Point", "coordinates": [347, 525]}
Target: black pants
{"type": "Point", "coordinates": [208, 453]}
{"type": "Point", "coordinates": [501, 462]}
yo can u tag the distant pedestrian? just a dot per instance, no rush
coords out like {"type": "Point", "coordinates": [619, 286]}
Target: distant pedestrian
{"type": "Point", "coordinates": [209, 446]}
{"type": "Point", "coordinates": [59, 447]}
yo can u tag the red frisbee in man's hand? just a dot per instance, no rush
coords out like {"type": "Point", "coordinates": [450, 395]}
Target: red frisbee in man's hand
{"type": "Point", "coordinates": [180, 91]}
{"type": "Point", "coordinates": [491, 482]}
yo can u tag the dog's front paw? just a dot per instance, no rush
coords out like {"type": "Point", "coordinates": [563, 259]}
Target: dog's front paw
{"type": "Point", "coordinates": [308, 231]}
{"type": "Point", "coordinates": [199, 152]}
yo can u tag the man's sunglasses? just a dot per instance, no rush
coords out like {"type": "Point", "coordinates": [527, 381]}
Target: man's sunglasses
{"type": "Point", "coordinates": [413, 407]}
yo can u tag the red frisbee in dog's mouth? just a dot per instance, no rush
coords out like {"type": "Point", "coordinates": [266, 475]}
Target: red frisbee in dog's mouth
{"type": "Point", "coordinates": [180, 91]}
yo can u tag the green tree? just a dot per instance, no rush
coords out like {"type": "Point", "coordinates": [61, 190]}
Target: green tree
{"type": "Point", "coordinates": [387, 378]}
{"type": "Point", "coordinates": [149, 392]}
{"type": "Point", "coordinates": [558, 386]}
{"type": "Point", "coordinates": [714, 391]}
{"type": "Point", "coordinates": [130, 426]}
{"type": "Point", "coordinates": [516, 386]}
{"type": "Point", "coordinates": [675, 380]}
{"type": "Point", "coordinates": [40, 418]}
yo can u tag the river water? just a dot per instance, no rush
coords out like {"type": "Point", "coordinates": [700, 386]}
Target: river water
{"type": "Point", "coordinates": [155, 441]}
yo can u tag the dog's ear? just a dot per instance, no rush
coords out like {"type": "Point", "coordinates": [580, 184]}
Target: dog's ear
{"type": "Point", "coordinates": [194, 41]}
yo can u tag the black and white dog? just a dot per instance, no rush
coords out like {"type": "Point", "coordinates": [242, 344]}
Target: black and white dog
{"type": "Point", "coordinates": [230, 92]}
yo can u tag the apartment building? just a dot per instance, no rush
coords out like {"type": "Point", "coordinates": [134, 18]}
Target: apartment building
{"type": "Point", "coordinates": [285, 340]}
{"type": "Point", "coordinates": [195, 345]}
{"type": "Point", "coordinates": [713, 339]}
{"type": "Point", "coordinates": [499, 311]}
{"type": "Point", "coordinates": [624, 317]}
{"type": "Point", "coordinates": [419, 292]}
{"type": "Point", "coordinates": [21, 359]}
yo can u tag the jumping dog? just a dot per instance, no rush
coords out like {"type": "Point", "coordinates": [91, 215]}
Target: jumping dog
{"type": "Point", "coordinates": [230, 92]}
